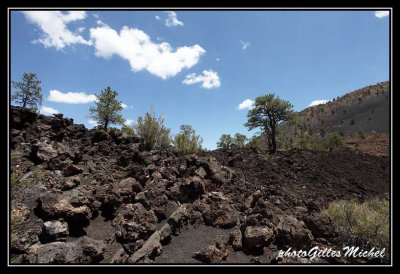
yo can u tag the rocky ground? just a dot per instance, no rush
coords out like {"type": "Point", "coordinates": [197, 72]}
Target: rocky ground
{"type": "Point", "coordinates": [85, 196]}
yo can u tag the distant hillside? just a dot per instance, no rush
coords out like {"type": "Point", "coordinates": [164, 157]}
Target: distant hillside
{"type": "Point", "coordinates": [366, 109]}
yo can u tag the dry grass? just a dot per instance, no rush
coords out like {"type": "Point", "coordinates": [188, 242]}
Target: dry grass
{"type": "Point", "coordinates": [365, 224]}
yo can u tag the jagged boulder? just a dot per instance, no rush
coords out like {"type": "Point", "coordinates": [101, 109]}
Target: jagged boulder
{"type": "Point", "coordinates": [213, 253]}
{"type": "Point", "coordinates": [217, 210]}
{"type": "Point", "coordinates": [257, 237]}
{"type": "Point", "coordinates": [82, 251]}
{"type": "Point", "coordinates": [54, 231]}
{"type": "Point", "coordinates": [321, 226]}
{"type": "Point", "coordinates": [134, 222]}
{"type": "Point", "coordinates": [293, 233]}
{"type": "Point", "coordinates": [151, 248]}
{"type": "Point", "coordinates": [54, 206]}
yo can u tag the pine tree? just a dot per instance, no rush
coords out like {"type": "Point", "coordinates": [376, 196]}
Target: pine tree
{"type": "Point", "coordinates": [268, 112]}
{"type": "Point", "coordinates": [29, 94]}
{"type": "Point", "coordinates": [106, 111]}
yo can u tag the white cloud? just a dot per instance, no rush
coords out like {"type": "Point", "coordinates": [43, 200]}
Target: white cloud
{"type": "Point", "coordinates": [95, 15]}
{"type": "Point", "coordinates": [101, 23]}
{"type": "Point", "coordinates": [157, 17]}
{"type": "Point", "coordinates": [48, 110]}
{"type": "Point", "coordinates": [125, 106]}
{"type": "Point", "coordinates": [217, 59]}
{"type": "Point", "coordinates": [172, 20]}
{"type": "Point", "coordinates": [81, 29]}
{"type": "Point", "coordinates": [129, 123]}
{"type": "Point", "coordinates": [246, 104]}
{"type": "Point", "coordinates": [54, 27]}
{"type": "Point", "coordinates": [208, 78]}
{"type": "Point", "coordinates": [136, 47]}
{"type": "Point", "coordinates": [381, 13]}
{"type": "Point", "coordinates": [245, 45]}
{"type": "Point", "coordinates": [71, 97]}
{"type": "Point", "coordinates": [93, 123]}
{"type": "Point", "coordinates": [318, 102]}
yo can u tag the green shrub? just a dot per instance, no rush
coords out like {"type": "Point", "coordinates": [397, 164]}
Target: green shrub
{"type": "Point", "coordinates": [186, 141]}
{"type": "Point", "coordinates": [153, 131]}
{"type": "Point", "coordinates": [335, 140]}
{"type": "Point", "coordinates": [128, 130]}
{"type": "Point", "coordinates": [362, 224]}
{"type": "Point", "coordinates": [225, 141]}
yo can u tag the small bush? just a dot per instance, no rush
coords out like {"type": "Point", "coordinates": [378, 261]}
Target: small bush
{"type": "Point", "coordinates": [153, 131]}
{"type": "Point", "coordinates": [335, 140]}
{"type": "Point", "coordinates": [186, 141]}
{"type": "Point", "coordinates": [225, 141]}
{"type": "Point", "coordinates": [362, 224]}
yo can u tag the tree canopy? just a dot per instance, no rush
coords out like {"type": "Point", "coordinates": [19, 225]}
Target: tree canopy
{"type": "Point", "coordinates": [29, 92]}
{"type": "Point", "coordinates": [187, 141]}
{"type": "Point", "coordinates": [269, 111]}
{"type": "Point", "coordinates": [153, 131]}
{"type": "Point", "coordinates": [225, 141]}
{"type": "Point", "coordinates": [106, 111]}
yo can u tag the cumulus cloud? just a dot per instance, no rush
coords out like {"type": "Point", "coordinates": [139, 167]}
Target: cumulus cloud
{"type": "Point", "coordinates": [48, 110]}
{"type": "Point", "coordinates": [157, 17]}
{"type": "Point", "coordinates": [93, 123]}
{"type": "Point", "coordinates": [53, 25]}
{"type": "Point", "coordinates": [318, 102]}
{"type": "Point", "coordinates": [249, 104]}
{"type": "Point", "coordinates": [71, 97]}
{"type": "Point", "coordinates": [381, 13]}
{"type": "Point", "coordinates": [129, 123]}
{"type": "Point", "coordinates": [136, 47]}
{"type": "Point", "coordinates": [172, 20]}
{"type": "Point", "coordinates": [245, 45]}
{"type": "Point", "coordinates": [208, 79]}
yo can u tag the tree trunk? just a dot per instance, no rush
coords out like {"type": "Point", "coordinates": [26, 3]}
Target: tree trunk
{"type": "Point", "coordinates": [105, 126]}
{"type": "Point", "coordinates": [269, 141]}
{"type": "Point", "coordinates": [24, 101]}
{"type": "Point", "coordinates": [273, 141]}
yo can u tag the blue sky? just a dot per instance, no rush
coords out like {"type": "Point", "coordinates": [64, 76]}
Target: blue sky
{"type": "Point", "coordinates": [197, 67]}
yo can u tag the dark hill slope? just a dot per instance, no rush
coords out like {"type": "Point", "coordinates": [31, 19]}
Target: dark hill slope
{"type": "Point", "coordinates": [366, 110]}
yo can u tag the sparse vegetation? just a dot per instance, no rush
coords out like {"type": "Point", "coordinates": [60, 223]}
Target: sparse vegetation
{"type": "Point", "coordinates": [128, 130]}
{"type": "Point", "coordinates": [239, 140]}
{"type": "Point", "coordinates": [363, 224]}
{"type": "Point", "coordinates": [186, 141]}
{"type": "Point", "coordinates": [268, 112]}
{"type": "Point", "coordinates": [18, 181]}
{"type": "Point", "coordinates": [258, 142]}
{"type": "Point", "coordinates": [153, 131]}
{"type": "Point", "coordinates": [29, 92]}
{"type": "Point", "coordinates": [225, 141]}
{"type": "Point", "coordinates": [106, 111]}
{"type": "Point", "coordinates": [335, 140]}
